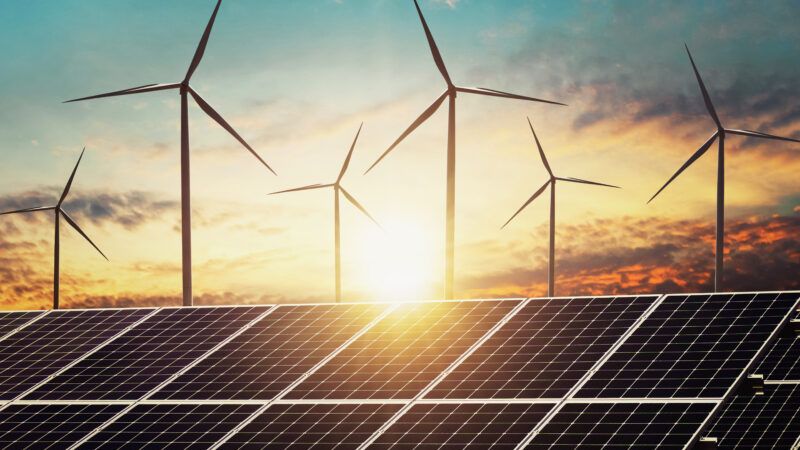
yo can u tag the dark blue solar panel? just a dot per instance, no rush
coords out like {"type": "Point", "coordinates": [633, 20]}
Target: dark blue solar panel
{"type": "Point", "coordinates": [272, 354]}
{"type": "Point", "coordinates": [544, 349]}
{"type": "Point", "coordinates": [39, 350]}
{"type": "Point", "coordinates": [147, 355]}
{"type": "Point", "coordinates": [9, 321]}
{"type": "Point", "coordinates": [691, 346]}
{"type": "Point", "coordinates": [312, 426]}
{"type": "Point", "coordinates": [494, 426]}
{"type": "Point", "coordinates": [782, 359]}
{"type": "Point", "coordinates": [404, 351]}
{"type": "Point", "coordinates": [50, 426]}
{"type": "Point", "coordinates": [769, 421]}
{"type": "Point", "coordinates": [621, 426]}
{"type": "Point", "coordinates": [170, 426]}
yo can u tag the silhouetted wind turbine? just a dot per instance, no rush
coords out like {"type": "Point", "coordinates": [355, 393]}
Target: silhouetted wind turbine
{"type": "Point", "coordinates": [59, 213]}
{"type": "Point", "coordinates": [450, 93]}
{"type": "Point", "coordinates": [337, 189]}
{"type": "Point", "coordinates": [551, 271]}
{"type": "Point", "coordinates": [720, 133]}
{"type": "Point", "coordinates": [184, 89]}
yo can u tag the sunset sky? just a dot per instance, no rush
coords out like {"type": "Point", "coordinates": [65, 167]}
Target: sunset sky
{"type": "Point", "coordinates": [297, 78]}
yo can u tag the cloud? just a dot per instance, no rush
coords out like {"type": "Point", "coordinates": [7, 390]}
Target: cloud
{"type": "Point", "coordinates": [629, 256]}
{"type": "Point", "coordinates": [127, 209]}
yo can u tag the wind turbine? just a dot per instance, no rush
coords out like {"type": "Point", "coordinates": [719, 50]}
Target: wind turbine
{"type": "Point", "coordinates": [338, 189]}
{"type": "Point", "coordinates": [184, 89]}
{"type": "Point", "coordinates": [450, 93]}
{"type": "Point", "coordinates": [551, 271]}
{"type": "Point", "coordinates": [59, 213]}
{"type": "Point", "coordinates": [720, 133]}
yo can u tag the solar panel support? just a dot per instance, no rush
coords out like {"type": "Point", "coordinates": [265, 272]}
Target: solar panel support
{"type": "Point", "coordinates": [706, 443]}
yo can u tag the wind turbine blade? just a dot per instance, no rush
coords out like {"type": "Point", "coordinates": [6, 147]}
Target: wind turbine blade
{"type": "Point", "coordinates": [759, 134]}
{"type": "Point", "coordinates": [422, 118]}
{"type": "Point", "coordinates": [133, 90]}
{"type": "Point", "coordinates": [201, 47]}
{"type": "Point", "coordinates": [525, 205]}
{"type": "Point", "coordinates": [578, 180]}
{"type": "Point", "coordinates": [349, 154]}
{"type": "Point", "coordinates": [495, 93]}
{"type": "Point", "coordinates": [706, 98]}
{"type": "Point", "coordinates": [688, 163]}
{"type": "Point", "coordinates": [541, 151]}
{"type": "Point", "coordinates": [24, 210]}
{"type": "Point", "coordinates": [437, 57]}
{"type": "Point", "coordinates": [218, 118]}
{"type": "Point", "coordinates": [71, 177]}
{"type": "Point", "coordinates": [355, 203]}
{"type": "Point", "coordinates": [304, 188]}
{"type": "Point", "coordinates": [78, 229]}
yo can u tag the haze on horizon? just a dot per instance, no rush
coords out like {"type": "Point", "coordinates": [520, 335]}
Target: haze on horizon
{"type": "Point", "coordinates": [296, 82]}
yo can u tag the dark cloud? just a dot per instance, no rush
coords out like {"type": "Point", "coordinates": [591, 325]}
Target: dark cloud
{"type": "Point", "coordinates": [127, 209]}
{"type": "Point", "coordinates": [657, 255]}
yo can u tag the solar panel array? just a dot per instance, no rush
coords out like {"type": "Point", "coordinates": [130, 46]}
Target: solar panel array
{"type": "Point", "coordinates": [557, 373]}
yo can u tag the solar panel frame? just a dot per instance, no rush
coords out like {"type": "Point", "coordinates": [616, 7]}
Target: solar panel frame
{"type": "Point", "coordinates": [141, 359]}
{"type": "Point", "coordinates": [780, 362]}
{"type": "Point", "coordinates": [60, 328]}
{"type": "Point", "coordinates": [275, 351]}
{"type": "Point", "coordinates": [550, 344]}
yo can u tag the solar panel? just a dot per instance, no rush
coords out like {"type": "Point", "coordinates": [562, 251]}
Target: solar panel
{"type": "Point", "coordinates": [317, 426]}
{"type": "Point", "coordinates": [147, 355]}
{"type": "Point", "coordinates": [37, 351]}
{"type": "Point", "coordinates": [51, 426]}
{"type": "Point", "coordinates": [769, 421]}
{"type": "Point", "coordinates": [273, 353]}
{"type": "Point", "coordinates": [406, 350]}
{"type": "Point", "coordinates": [492, 426]}
{"type": "Point", "coordinates": [690, 346]}
{"type": "Point", "coordinates": [621, 425]}
{"type": "Point", "coordinates": [544, 349]}
{"type": "Point", "coordinates": [170, 426]}
{"type": "Point", "coordinates": [9, 321]}
{"type": "Point", "coordinates": [782, 360]}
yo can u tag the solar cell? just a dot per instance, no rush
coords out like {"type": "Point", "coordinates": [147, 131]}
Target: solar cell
{"type": "Point", "coordinates": [769, 421]}
{"type": "Point", "coordinates": [690, 346]}
{"type": "Point", "coordinates": [406, 350]}
{"type": "Point", "coordinates": [57, 339]}
{"type": "Point", "coordinates": [147, 355]}
{"type": "Point", "coordinates": [544, 349]}
{"type": "Point", "coordinates": [170, 426]}
{"type": "Point", "coordinates": [50, 426]}
{"type": "Point", "coordinates": [492, 426]}
{"type": "Point", "coordinates": [312, 426]}
{"type": "Point", "coordinates": [273, 353]}
{"type": "Point", "coordinates": [621, 425]}
{"type": "Point", "coordinates": [782, 359]}
{"type": "Point", "coordinates": [11, 320]}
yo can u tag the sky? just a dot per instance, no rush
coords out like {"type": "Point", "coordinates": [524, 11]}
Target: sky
{"type": "Point", "coordinates": [297, 79]}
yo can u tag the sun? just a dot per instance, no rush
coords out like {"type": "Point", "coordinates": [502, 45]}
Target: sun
{"type": "Point", "coordinates": [398, 262]}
